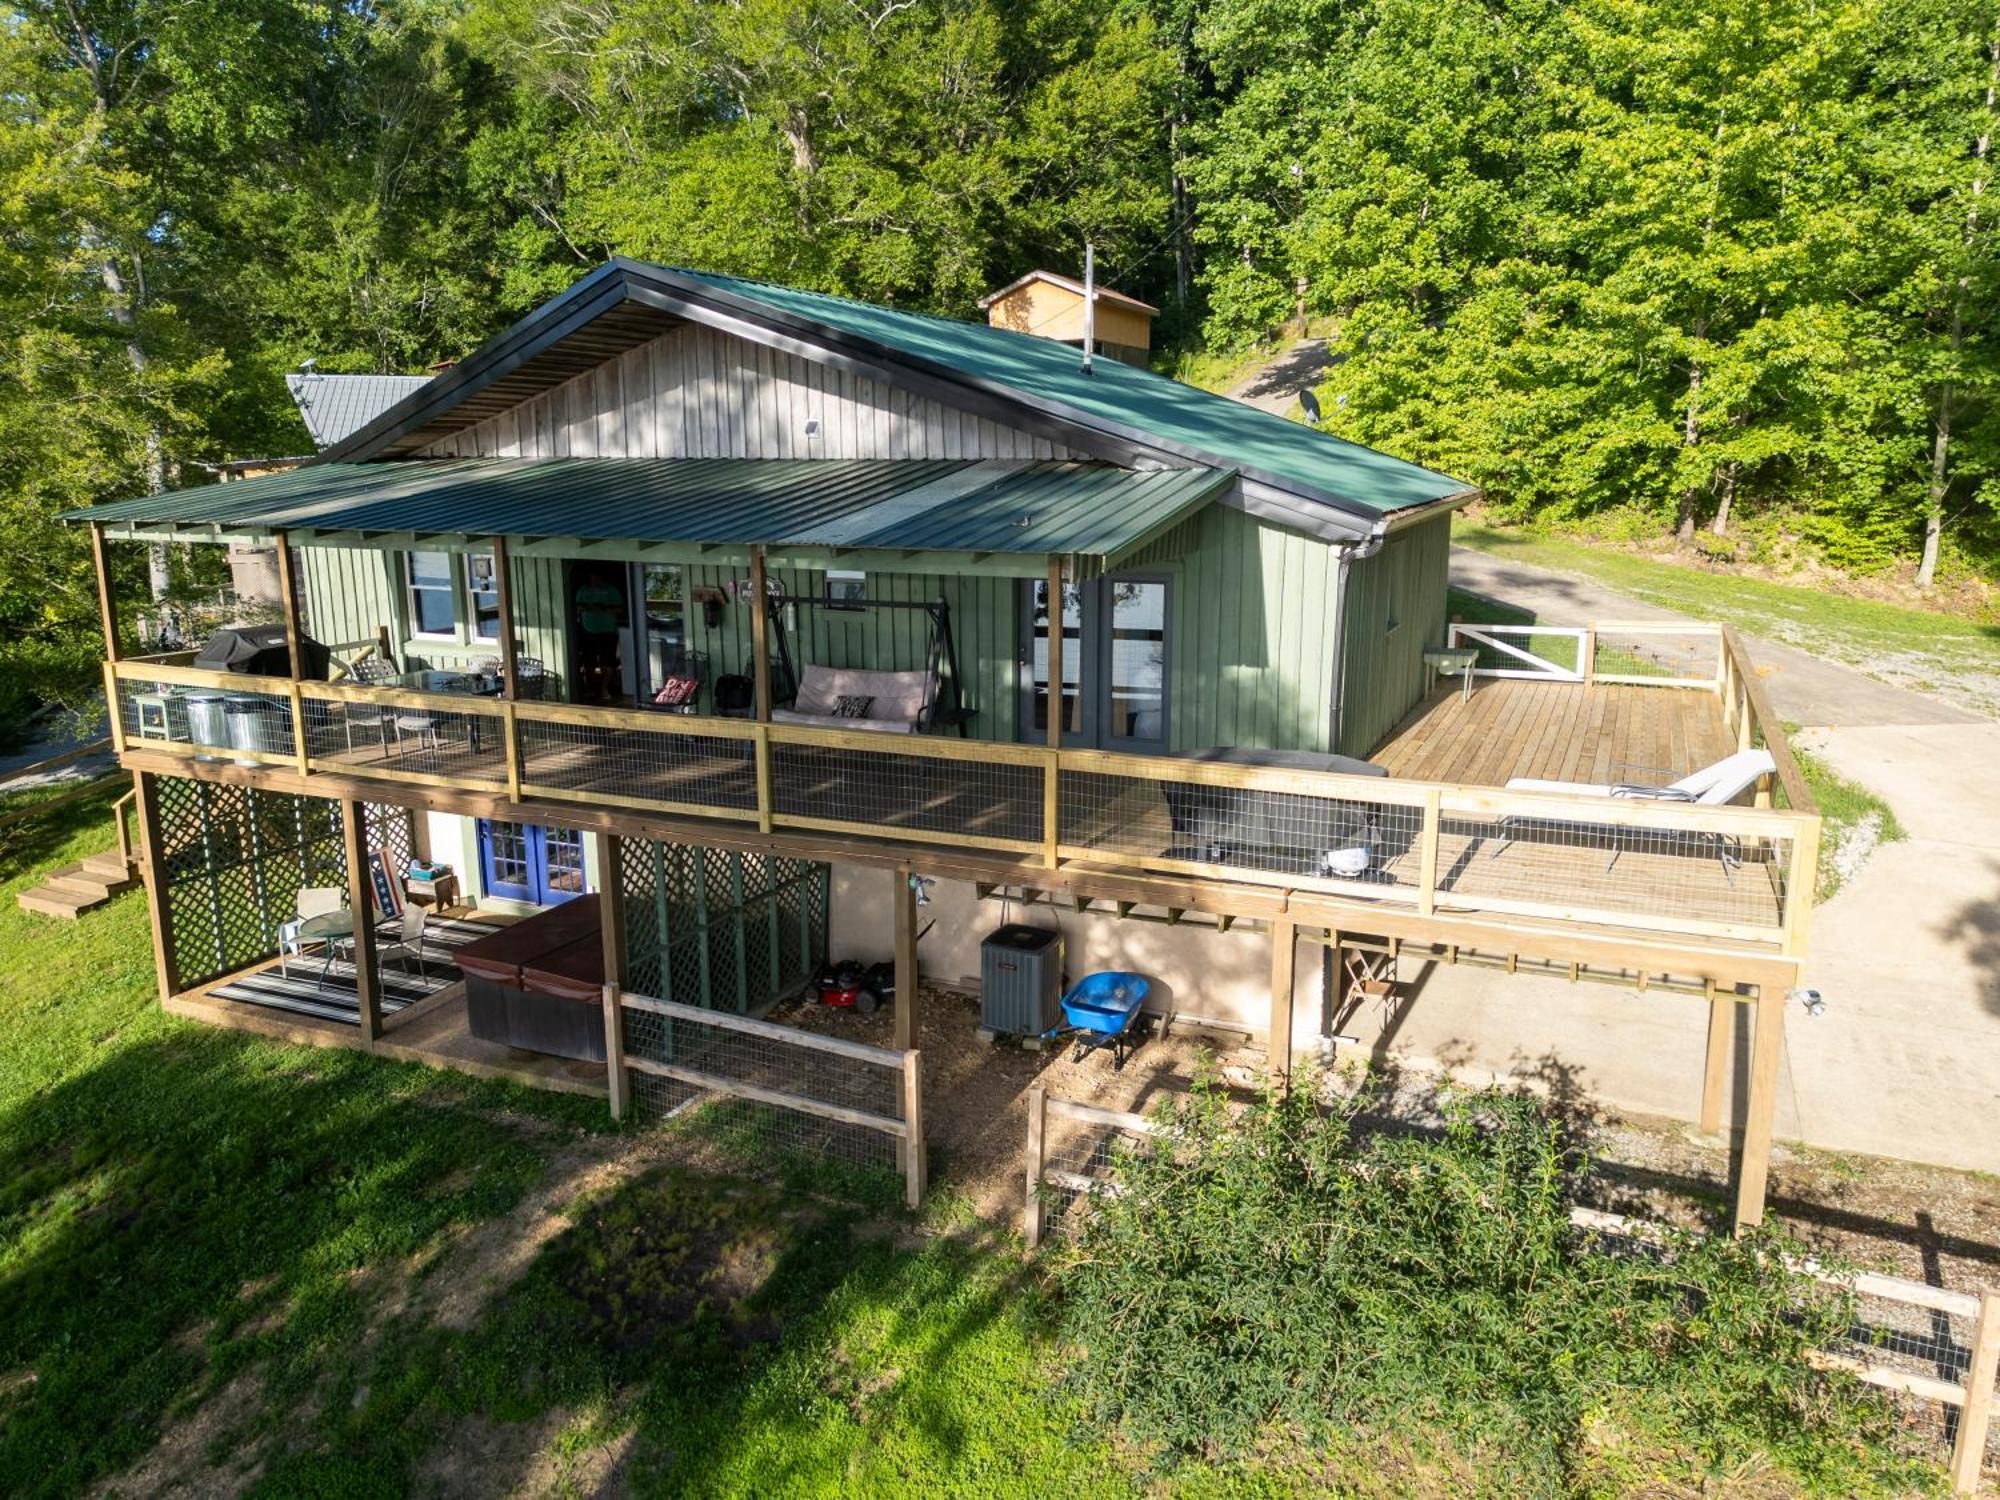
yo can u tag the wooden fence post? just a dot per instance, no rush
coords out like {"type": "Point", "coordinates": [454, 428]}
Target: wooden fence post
{"type": "Point", "coordinates": [914, 1169]}
{"type": "Point", "coordinates": [1427, 852]}
{"type": "Point", "coordinates": [1038, 1123]}
{"type": "Point", "coordinates": [1968, 1453]}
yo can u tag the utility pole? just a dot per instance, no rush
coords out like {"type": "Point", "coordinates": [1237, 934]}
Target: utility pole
{"type": "Point", "coordinates": [1089, 302]}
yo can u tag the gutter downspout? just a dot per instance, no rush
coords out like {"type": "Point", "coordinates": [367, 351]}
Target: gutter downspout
{"type": "Point", "coordinates": [1349, 555]}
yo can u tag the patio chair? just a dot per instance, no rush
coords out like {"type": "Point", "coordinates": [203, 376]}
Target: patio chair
{"type": "Point", "coordinates": [531, 678]}
{"type": "Point", "coordinates": [314, 901]}
{"type": "Point", "coordinates": [409, 941]}
{"type": "Point", "coordinates": [370, 671]}
{"type": "Point", "coordinates": [1714, 785]}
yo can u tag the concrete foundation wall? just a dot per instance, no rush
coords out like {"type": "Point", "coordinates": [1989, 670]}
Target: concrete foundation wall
{"type": "Point", "coordinates": [1197, 973]}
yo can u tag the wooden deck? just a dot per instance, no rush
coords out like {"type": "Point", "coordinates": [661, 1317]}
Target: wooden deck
{"type": "Point", "coordinates": [1557, 731]}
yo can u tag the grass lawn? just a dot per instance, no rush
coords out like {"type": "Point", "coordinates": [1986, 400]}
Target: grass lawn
{"type": "Point", "coordinates": [1953, 657]}
{"type": "Point", "coordinates": [318, 1273]}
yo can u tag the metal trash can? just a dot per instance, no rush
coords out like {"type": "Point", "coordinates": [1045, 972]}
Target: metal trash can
{"type": "Point", "coordinates": [207, 721]}
{"type": "Point", "coordinates": [255, 724]}
{"type": "Point", "coordinates": [1020, 980]}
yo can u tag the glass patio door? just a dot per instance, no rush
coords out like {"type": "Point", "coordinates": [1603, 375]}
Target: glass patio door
{"type": "Point", "coordinates": [527, 862]}
{"type": "Point", "coordinates": [1115, 663]}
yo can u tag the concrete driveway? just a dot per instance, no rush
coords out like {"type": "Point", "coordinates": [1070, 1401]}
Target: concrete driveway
{"type": "Point", "coordinates": [1906, 1060]}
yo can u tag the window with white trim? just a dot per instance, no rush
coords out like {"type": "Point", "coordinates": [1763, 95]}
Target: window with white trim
{"type": "Point", "coordinates": [482, 592]}
{"type": "Point", "coordinates": [428, 581]}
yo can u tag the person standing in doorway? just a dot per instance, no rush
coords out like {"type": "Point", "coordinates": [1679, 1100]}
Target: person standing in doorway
{"type": "Point", "coordinates": [599, 605]}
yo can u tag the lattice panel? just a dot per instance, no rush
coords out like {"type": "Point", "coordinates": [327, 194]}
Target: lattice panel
{"type": "Point", "coordinates": [236, 860]}
{"type": "Point", "coordinates": [722, 930]}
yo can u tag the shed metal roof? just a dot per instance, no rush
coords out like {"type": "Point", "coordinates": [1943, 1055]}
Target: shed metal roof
{"type": "Point", "coordinates": [336, 406]}
{"type": "Point", "coordinates": [1040, 508]}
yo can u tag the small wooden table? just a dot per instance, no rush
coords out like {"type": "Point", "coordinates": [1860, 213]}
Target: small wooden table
{"type": "Point", "coordinates": [1450, 661]}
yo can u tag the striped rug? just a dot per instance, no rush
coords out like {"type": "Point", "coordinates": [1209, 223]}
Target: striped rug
{"type": "Point", "coordinates": [335, 998]}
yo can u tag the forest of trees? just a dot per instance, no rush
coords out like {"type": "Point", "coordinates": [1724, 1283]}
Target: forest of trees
{"type": "Point", "coordinates": [1686, 262]}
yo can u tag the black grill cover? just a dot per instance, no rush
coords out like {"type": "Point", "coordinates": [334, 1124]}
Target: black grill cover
{"type": "Point", "coordinates": [259, 650]}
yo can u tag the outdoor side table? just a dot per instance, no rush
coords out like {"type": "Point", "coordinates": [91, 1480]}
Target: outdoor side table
{"type": "Point", "coordinates": [1450, 661]}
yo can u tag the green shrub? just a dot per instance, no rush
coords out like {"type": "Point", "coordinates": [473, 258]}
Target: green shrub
{"type": "Point", "coordinates": [1276, 1268]}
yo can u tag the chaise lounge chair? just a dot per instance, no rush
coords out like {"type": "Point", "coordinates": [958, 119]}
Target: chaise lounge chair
{"type": "Point", "coordinates": [1716, 785]}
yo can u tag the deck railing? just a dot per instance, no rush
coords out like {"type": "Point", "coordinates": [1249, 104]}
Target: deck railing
{"type": "Point", "coordinates": [1741, 874]}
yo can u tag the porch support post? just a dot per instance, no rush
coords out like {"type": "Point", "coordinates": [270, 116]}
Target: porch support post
{"type": "Point", "coordinates": [1278, 1038]}
{"type": "Point", "coordinates": [1055, 653]}
{"type": "Point", "coordinates": [1766, 1048]}
{"type": "Point", "coordinates": [760, 635]}
{"type": "Point", "coordinates": [503, 588]}
{"type": "Point", "coordinates": [510, 684]}
{"type": "Point", "coordinates": [107, 599]}
{"type": "Point", "coordinates": [906, 960]}
{"type": "Point", "coordinates": [361, 901]}
{"type": "Point", "coordinates": [295, 651]}
{"type": "Point", "coordinates": [611, 910]}
{"type": "Point", "coordinates": [1715, 1075]}
{"type": "Point", "coordinates": [153, 868]}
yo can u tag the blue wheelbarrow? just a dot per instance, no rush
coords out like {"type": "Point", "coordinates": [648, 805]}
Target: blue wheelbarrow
{"type": "Point", "coordinates": [1101, 1011]}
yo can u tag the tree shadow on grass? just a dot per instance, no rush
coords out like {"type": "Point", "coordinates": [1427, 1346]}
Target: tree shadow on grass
{"type": "Point", "coordinates": [202, 1201]}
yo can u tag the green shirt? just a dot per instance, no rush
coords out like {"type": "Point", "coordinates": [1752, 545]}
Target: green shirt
{"type": "Point", "coordinates": [599, 607]}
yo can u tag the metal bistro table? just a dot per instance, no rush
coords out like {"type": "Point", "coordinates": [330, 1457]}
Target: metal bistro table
{"type": "Point", "coordinates": [471, 684]}
{"type": "Point", "coordinates": [332, 928]}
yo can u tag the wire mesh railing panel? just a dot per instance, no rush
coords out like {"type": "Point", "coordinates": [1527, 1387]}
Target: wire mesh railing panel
{"type": "Point", "coordinates": [1529, 650]}
{"type": "Point", "coordinates": [1658, 655]}
{"type": "Point", "coordinates": [217, 720]}
{"type": "Point", "coordinates": [433, 737]}
{"type": "Point", "coordinates": [1242, 829]}
{"type": "Point", "coordinates": [777, 1064]}
{"type": "Point", "coordinates": [1081, 1160]}
{"type": "Point", "coordinates": [1566, 860]}
{"type": "Point", "coordinates": [1890, 1334]}
{"type": "Point", "coordinates": [891, 791]}
{"type": "Point", "coordinates": [707, 771]}
{"type": "Point", "coordinates": [765, 1137]}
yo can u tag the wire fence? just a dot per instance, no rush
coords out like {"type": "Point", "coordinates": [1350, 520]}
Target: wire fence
{"type": "Point", "coordinates": [774, 1097]}
{"type": "Point", "coordinates": [454, 737]}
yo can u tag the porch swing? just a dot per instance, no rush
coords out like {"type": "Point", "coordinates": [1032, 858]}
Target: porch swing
{"type": "Point", "coordinates": [895, 702]}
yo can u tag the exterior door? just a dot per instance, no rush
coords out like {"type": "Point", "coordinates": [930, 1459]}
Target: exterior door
{"type": "Point", "coordinates": [526, 862]}
{"type": "Point", "coordinates": [1115, 663]}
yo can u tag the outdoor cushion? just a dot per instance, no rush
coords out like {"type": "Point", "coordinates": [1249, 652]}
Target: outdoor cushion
{"type": "Point", "coordinates": [895, 698]}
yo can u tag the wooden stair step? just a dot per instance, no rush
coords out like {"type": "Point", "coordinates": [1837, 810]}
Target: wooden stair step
{"type": "Point", "coordinates": [66, 905]}
{"type": "Point", "coordinates": [112, 866]}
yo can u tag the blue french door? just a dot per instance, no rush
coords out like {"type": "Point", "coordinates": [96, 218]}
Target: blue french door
{"type": "Point", "coordinates": [527, 862]}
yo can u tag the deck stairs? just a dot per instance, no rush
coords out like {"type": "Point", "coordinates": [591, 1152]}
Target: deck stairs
{"type": "Point", "coordinates": [75, 889]}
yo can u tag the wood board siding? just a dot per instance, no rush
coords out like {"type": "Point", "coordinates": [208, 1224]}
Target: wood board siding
{"type": "Point", "coordinates": [699, 393]}
{"type": "Point", "coordinates": [352, 592]}
{"type": "Point", "coordinates": [1395, 612]}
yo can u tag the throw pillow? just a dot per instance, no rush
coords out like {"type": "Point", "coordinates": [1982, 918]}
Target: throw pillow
{"type": "Point", "coordinates": [853, 706]}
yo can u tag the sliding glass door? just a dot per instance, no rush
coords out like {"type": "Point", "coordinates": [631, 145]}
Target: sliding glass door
{"type": "Point", "coordinates": [1114, 690]}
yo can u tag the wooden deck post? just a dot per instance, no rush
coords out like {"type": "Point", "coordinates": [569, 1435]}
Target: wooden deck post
{"type": "Point", "coordinates": [295, 651]}
{"type": "Point", "coordinates": [1968, 1450]}
{"type": "Point", "coordinates": [906, 959]}
{"type": "Point", "coordinates": [1278, 1037]}
{"type": "Point", "coordinates": [361, 901]}
{"type": "Point", "coordinates": [1052, 773]}
{"type": "Point", "coordinates": [760, 676]}
{"type": "Point", "coordinates": [1715, 1074]}
{"type": "Point", "coordinates": [107, 598]}
{"type": "Point", "coordinates": [1766, 1049]}
{"type": "Point", "coordinates": [915, 1169]}
{"type": "Point", "coordinates": [153, 867]}
{"type": "Point", "coordinates": [611, 911]}
{"type": "Point", "coordinates": [510, 670]}
{"type": "Point", "coordinates": [1032, 1163]}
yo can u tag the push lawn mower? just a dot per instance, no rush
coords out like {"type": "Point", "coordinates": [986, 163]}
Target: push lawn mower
{"type": "Point", "coordinates": [856, 986]}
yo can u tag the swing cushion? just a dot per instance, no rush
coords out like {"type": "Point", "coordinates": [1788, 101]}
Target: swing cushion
{"type": "Point", "coordinates": [897, 702]}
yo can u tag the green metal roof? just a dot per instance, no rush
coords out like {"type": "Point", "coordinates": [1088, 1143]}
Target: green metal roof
{"type": "Point", "coordinates": [904, 505]}
{"type": "Point", "coordinates": [1117, 396]}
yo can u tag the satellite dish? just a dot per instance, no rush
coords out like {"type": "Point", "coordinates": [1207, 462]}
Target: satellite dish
{"type": "Point", "coordinates": [1311, 404]}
